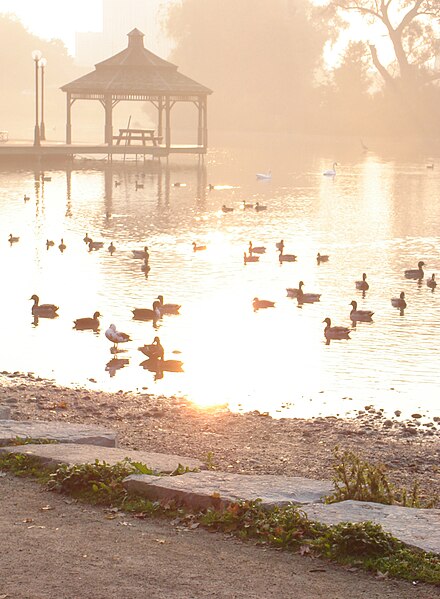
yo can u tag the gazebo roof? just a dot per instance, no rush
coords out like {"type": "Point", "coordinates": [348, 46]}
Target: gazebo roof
{"type": "Point", "coordinates": [136, 71]}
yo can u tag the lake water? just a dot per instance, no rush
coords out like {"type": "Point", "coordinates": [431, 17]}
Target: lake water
{"type": "Point", "coordinates": [379, 215]}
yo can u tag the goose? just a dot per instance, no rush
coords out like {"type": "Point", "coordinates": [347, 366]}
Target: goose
{"type": "Point", "coordinates": [87, 239]}
{"type": "Point", "coordinates": [306, 298]}
{"type": "Point", "coordinates": [246, 205]}
{"type": "Point", "coordinates": [95, 245]}
{"type": "Point", "coordinates": [62, 246]}
{"type": "Point", "coordinates": [267, 175]}
{"type": "Point", "coordinates": [198, 248]}
{"type": "Point", "coordinates": [335, 332]}
{"type": "Point", "coordinates": [415, 273]}
{"type": "Point", "coordinates": [83, 324]}
{"type": "Point", "coordinates": [256, 250]}
{"type": "Point", "coordinates": [258, 207]}
{"type": "Point", "coordinates": [167, 308]}
{"type": "Point", "coordinates": [142, 254]}
{"type": "Point", "coordinates": [49, 243]}
{"type": "Point", "coordinates": [261, 304]}
{"type": "Point", "coordinates": [322, 258]}
{"type": "Point", "coordinates": [280, 245]}
{"type": "Point", "coordinates": [13, 239]}
{"type": "Point", "coordinates": [111, 248]}
{"type": "Point", "coordinates": [154, 350]}
{"type": "Point", "coordinates": [227, 208]}
{"type": "Point", "coordinates": [147, 313]}
{"type": "Point", "coordinates": [45, 310]}
{"type": "Point", "coordinates": [116, 337]}
{"type": "Point", "coordinates": [362, 285]}
{"type": "Point", "coordinates": [432, 283]}
{"type": "Point", "coordinates": [399, 302]}
{"type": "Point", "coordinates": [250, 258]}
{"type": "Point", "coordinates": [356, 314]}
{"type": "Point", "coordinates": [286, 257]}
{"type": "Point", "coordinates": [331, 172]}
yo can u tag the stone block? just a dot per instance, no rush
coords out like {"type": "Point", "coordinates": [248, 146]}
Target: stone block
{"type": "Point", "coordinates": [62, 432]}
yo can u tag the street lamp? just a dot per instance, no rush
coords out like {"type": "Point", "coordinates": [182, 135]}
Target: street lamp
{"type": "Point", "coordinates": [42, 63]}
{"type": "Point", "coordinates": [36, 55]}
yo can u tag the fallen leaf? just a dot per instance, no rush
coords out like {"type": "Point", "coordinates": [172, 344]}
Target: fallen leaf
{"type": "Point", "coordinates": [46, 508]}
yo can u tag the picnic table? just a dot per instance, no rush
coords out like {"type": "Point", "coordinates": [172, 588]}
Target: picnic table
{"type": "Point", "coordinates": [145, 136]}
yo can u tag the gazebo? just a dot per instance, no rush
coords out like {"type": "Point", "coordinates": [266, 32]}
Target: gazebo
{"type": "Point", "coordinates": [138, 75]}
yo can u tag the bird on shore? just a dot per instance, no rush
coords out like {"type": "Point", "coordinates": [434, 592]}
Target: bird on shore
{"type": "Point", "coordinates": [362, 285]}
{"type": "Point", "coordinates": [87, 323]}
{"type": "Point", "coordinates": [335, 332]}
{"type": "Point", "coordinates": [13, 239]}
{"type": "Point", "coordinates": [153, 350]}
{"type": "Point", "coordinates": [359, 315]}
{"type": "Point", "coordinates": [415, 273]}
{"type": "Point", "coordinates": [259, 249]}
{"type": "Point", "coordinates": [259, 304]}
{"type": "Point", "coordinates": [322, 258]}
{"type": "Point", "coordinates": [198, 248]}
{"type": "Point", "coordinates": [167, 308]}
{"type": "Point", "coordinates": [432, 283]}
{"type": "Point", "coordinates": [116, 337]}
{"type": "Point", "coordinates": [43, 310]}
{"type": "Point", "coordinates": [148, 313]}
{"type": "Point", "coordinates": [332, 171]}
{"type": "Point", "coordinates": [141, 254]}
{"type": "Point", "coordinates": [306, 298]}
{"type": "Point", "coordinates": [250, 258]}
{"type": "Point", "coordinates": [399, 302]}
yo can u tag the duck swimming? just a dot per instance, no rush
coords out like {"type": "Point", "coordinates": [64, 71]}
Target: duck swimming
{"type": "Point", "coordinates": [147, 313]}
{"type": "Point", "coordinates": [227, 208]}
{"type": "Point", "coordinates": [362, 285]}
{"type": "Point", "coordinates": [82, 324]}
{"type": "Point", "coordinates": [331, 172]}
{"type": "Point", "coordinates": [415, 273]}
{"type": "Point", "coordinates": [95, 245]}
{"type": "Point", "coordinates": [359, 315]}
{"type": "Point", "coordinates": [13, 239]}
{"type": "Point", "coordinates": [141, 254]}
{"type": "Point", "coordinates": [62, 246]}
{"type": "Point", "coordinates": [306, 298]}
{"type": "Point", "coordinates": [44, 310]}
{"type": "Point", "coordinates": [261, 304]}
{"type": "Point", "coordinates": [260, 249]}
{"type": "Point", "coordinates": [250, 258]}
{"type": "Point", "coordinates": [258, 207]}
{"type": "Point", "coordinates": [87, 239]}
{"type": "Point", "coordinates": [335, 332]}
{"type": "Point", "coordinates": [167, 308]}
{"type": "Point", "coordinates": [399, 302]}
{"type": "Point", "coordinates": [286, 257]}
{"type": "Point", "coordinates": [322, 258]}
{"type": "Point", "coordinates": [432, 283]}
{"type": "Point", "coordinates": [198, 248]}
{"type": "Point", "coordinates": [111, 248]}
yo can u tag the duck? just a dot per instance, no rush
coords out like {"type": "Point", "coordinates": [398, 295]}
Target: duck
{"type": "Point", "coordinates": [332, 171]}
{"type": "Point", "coordinates": [361, 315]}
{"type": "Point", "coordinates": [267, 175]}
{"type": "Point", "coordinates": [227, 208]}
{"type": "Point", "coordinates": [87, 323]}
{"type": "Point", "coordinates": [167, 308]}
{"type": "Point", "coordinates": [141, 254]}
{"type": "Point", "coordinates": [111, 248]}
{"type": "Point", "coordinates": [335, 332]}
{"type": "Point", "coordinates": [138, 185]}
{"type": "Point", "coordinates": [250, 258]}
{"type": "Point", "coordinates": [362, 285]}
{"type": "Point", "coordinates": [280, 245]}
{"type": "Point", "coordinates": [45, 310]}
{"type": "Point", "coordinates": [13, 239]}
{"type": "Point", "coordinates": [26, 198]}
{"type": "Point", "coordinates": [431, 165]}
{"type": "Point", "coordinates": [95, 245]}
{"type": "Point", "coordinates": [258, 207]}
{"type": "Point", "coordinates": [415, 273]}
{"type": "Point", "coordinates": [286, 257]}
{"type": "Point", "coordinates": [117, 183]}
{"type": "Point", "coordinates": [260, 249]}
{"type": "Point", "coordinates": [154, 350]}
{"type": "Point", "coordinates": [198, 248]}
{"type": "Point", "coordinates": [399, 302]}
{"type": "Point", "coordinates": [322, 258]}
{"type": "Point", "coordinates": [62, 246]}
{"type": "Point", "coordinates": [261, 304]}
{"type": "Point", "coordinates": [147, 313]}
{"type": "Point", "coordinates": [306, 298]}
{"type": "Point", "coordinates": [87, 239]}
{"type": "Point", "coordinates": [116, 337]}
{"type": "Point", "coordinates": [246, 205]}
{"type": "Point", "coordinates": [49, 243]}
{"type": "Point", "coordinates": [432, 283]}
{"type": "Point", "coordinates": [292, 292]}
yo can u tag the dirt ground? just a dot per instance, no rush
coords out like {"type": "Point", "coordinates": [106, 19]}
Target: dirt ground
{"type": "Point", "coordinates": [248, 443]}
{"type": "Point", "coordinates": [54, 548]}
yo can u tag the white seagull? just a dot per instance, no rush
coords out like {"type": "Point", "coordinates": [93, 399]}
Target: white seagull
{"type": "Point", "coordinates": [116, 337]}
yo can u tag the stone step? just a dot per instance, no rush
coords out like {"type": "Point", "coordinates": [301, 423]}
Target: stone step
{"type": "Point", "coordinates": [205, 489]}
{"type": "Point", "coordinates": [54, 455]}
{"type": "Point", "coordinates": [415, 527]}
{"type": "Point", "coordinates": [5, 412]}
{"type": "Point", "coordinates": [56, 431]}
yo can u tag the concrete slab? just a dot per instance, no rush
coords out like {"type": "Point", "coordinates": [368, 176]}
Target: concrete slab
{"type": "Point", "coordinates": [204, 489]}
{"type": "Point", "coordinates": [70, 453]}
{"type": "Point", "coordinates": [56, 431]}
{"type": "Point", "coordinates": [415, 527]}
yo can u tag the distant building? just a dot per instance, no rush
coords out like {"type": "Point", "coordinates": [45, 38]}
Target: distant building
{"type": "Point", "coordinates": [118, 17]}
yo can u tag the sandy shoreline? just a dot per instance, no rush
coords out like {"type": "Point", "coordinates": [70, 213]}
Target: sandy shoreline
{"type": "Point", "coordinates": [249, 443]}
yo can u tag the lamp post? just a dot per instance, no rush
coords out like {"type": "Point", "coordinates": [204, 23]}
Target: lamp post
{"type": "Point", "coordinates": [36, 55]}
{"type": "Point", "coordinates": [42, 63]}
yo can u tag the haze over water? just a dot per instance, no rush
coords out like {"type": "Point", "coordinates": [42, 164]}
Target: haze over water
{"type": "Point", "coordinates": [379, 215]}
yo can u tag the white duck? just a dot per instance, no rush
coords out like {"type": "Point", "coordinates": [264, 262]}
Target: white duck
{"type": "Point", "coordinates": [359, 315]}
{"type": "Point", "coordinates": [116, 337]}
{"type": "Point", "coordinates": [332, 171]}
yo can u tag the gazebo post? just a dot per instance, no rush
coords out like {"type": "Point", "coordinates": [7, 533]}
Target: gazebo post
{"type": "Point", "coordinates": [160, 117]}
{"type": "Point", "coordinates": [205, 123]}
{"type": "Point", "coordinates": [168, 122]}
{"type": "Point", "coordinates": [69, 121]}
{"type": "Point", "coordinates": [108, 106]}
{"type": "Point", "coordinates": [200, 123]}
